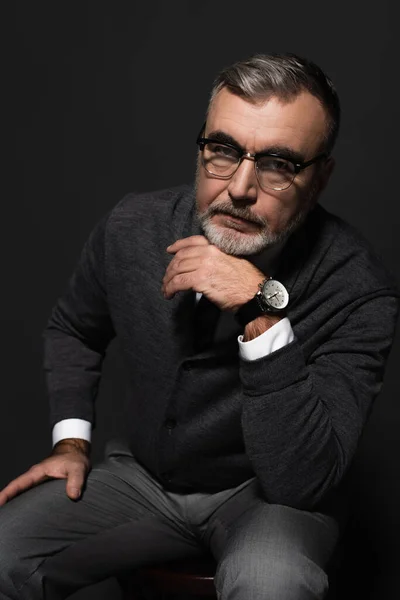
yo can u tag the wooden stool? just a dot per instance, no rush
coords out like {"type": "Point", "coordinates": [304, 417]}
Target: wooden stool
{"type": "Point", "coordinates": [194, 577]}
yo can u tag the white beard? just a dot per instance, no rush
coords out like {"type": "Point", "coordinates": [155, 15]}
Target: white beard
{"type": "Point", "coordinates": [237, 243]}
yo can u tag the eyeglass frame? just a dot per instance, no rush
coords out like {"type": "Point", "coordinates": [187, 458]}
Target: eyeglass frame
{"type": "Point", "coordinates": [298, 167]}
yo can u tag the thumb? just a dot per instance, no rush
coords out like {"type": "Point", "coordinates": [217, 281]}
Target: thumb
{"type": "Point", "coordinates": [75, 480]}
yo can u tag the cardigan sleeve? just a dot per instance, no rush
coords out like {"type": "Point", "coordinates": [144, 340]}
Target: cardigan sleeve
{"type": "Point", "coordinates": [77, 335]}
{"type": "Point", "coordinates": [302, 419]}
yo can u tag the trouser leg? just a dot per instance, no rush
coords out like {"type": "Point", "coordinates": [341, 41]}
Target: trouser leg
{"type": "Point", "coordinates": [51, 546]}
{"type": "Point", "coordinates": [269, 552]}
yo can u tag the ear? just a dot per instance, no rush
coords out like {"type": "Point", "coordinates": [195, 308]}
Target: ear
{"type": "Point", "coordinates": [326, 172]}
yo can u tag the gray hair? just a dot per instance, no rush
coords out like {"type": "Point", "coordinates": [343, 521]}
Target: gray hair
{"type": "Point", "coordinates": [283, 76]}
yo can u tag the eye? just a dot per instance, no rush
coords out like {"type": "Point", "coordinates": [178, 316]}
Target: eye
{"type": "Point", "coordinates": [222, 150]}
{"type": "Point", "coordinates": [276, 164]}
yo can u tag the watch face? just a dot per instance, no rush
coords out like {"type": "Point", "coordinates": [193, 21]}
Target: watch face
{"type": "Point", "coordinates": [275, 294]}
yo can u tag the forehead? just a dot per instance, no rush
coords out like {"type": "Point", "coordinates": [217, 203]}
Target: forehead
{"type": "Point", "coordinates": [299, 124]}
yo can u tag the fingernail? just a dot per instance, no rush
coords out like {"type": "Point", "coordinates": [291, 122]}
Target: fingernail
{"type": "Point", "coordinates": [76, 492]}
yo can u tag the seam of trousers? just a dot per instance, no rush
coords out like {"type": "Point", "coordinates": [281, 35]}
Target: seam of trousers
{"type": "Point", "coordinates": [93, 536]}
{"type": "Point", "coordinates": [32, 574]}
{"type": "Point", "coordinates": [218, 560]}
{"type": "Point", "coordinates": [38, 567]}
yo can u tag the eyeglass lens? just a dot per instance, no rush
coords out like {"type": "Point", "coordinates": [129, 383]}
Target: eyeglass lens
{"type": "Point", "coordinates": [272, 172]}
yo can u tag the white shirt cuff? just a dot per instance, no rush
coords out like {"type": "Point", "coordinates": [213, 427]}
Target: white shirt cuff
{"type": "Point", "coordinates": [276, 337]}
{"type": "Point", "coordinates": [72, 428]}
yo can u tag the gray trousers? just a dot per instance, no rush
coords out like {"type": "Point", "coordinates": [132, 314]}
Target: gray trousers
{"type": "Point", "coordinates": [51, 546]}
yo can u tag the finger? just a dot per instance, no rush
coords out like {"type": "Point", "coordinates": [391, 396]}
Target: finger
{"type": "Point", "coordinates": [192, 251]}
{"type": "Point", "coordinates": [176, 267]}
{"type": "Point", "coordinates": [179, 283]}
{"type": "Point", "coordinates": [188, 259]}
{"type": "Point", "coordinates": [193, 240]}
{"type": "Point", "coordinates": [22, 483]}
{"type": "Point", "coordinates": [189, 266]}
{"type": "Point", "coordinates": [75, 481]}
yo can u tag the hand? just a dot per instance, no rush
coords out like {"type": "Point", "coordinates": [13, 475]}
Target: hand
{"type": "Point", "coordinates": [69, 460]}
{"type": "Point", "coordinates": [226, 280]}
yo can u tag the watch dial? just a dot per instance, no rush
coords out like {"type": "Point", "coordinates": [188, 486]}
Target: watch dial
{"type": "Point", "coordinates": [275, 294]}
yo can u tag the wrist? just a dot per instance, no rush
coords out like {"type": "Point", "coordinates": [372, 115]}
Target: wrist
{"type": "Point", "coordinates": [259, 326]}
{"type": "Point", "coordinates": [72, 445]}
{"type": "Point", "coordinates": [246, 292]}
{"type": "Point", "coordinates": [271, 300]}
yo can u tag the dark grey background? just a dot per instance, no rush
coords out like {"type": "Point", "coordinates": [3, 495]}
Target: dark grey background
{"type": "Point", "coordinates": [107, 98]}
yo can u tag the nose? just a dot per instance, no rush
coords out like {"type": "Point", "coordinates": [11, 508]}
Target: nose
{"type": "Point", "coordinates": [243, 185]}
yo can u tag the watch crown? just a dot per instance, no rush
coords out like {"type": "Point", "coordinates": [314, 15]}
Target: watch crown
{"type": "Point", "coordinates": [261, 284]}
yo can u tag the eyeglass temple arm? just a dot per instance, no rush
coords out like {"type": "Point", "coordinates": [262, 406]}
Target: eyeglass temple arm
{"type": "Point", "coordinates": [201, 131]}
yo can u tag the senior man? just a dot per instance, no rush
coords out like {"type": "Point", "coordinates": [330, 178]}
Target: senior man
{"type": "Point", "coordinates": [255, 327]}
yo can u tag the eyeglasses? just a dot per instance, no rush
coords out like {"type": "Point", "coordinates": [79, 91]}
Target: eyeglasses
{"type": "Point", "coordinates": [273, 172]}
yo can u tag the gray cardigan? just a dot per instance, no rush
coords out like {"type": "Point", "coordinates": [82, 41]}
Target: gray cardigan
{"type": "Point", "coordinates": [209, 421]}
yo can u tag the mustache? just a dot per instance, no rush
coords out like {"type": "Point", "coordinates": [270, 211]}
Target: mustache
{"type": "Point", "coordinates": [244, 212]}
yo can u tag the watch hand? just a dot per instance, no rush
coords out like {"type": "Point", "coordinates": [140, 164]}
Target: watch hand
{"type": "Point", "coordinates": [272, 295]}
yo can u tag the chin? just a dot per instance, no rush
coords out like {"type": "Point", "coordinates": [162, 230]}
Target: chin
{"type": "Point", "coordinates": [236, 243]}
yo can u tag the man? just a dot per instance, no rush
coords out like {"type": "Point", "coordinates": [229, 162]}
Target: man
{"type": "Point", "coordinates": [238, 438]}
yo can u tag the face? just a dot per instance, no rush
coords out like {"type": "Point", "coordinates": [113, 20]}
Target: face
{"type": "Point", "coordinates": [236, 214]}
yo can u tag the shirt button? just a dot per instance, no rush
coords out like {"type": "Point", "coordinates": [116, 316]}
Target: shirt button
{"type": "Point", "coordinates": [170, 423]}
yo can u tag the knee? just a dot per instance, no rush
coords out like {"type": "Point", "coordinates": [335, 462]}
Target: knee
{"type": "Point", "coordinates": [263, 576]}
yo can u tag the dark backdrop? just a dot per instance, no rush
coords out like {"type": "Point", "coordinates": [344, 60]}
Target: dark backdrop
{"type": "Point", "coordinates": [106, 96]}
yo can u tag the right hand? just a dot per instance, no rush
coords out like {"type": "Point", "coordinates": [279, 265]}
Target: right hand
{"type": "Point", "coordinates": [69, 460]}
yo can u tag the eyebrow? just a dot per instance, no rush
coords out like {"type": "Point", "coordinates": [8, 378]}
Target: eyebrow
{"type": "Point", "coordinates": [282, 151]}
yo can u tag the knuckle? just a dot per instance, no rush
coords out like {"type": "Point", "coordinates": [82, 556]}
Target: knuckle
{"type": "Point", "coordinates": [35, 468]}
{"type": "Point", "coordinates": [203, 274]}
{"type": "Point", "coordinates": [72, 466]}
{"type": "Point", "coordinates": [181, 279]}
{"type": "Point", "coordinates": [177, 264]}
{"type": "Point", "coordinates": [77, 466]}
{"type": "Point", "coordinates": [213, 250]}
{"type": "Point", "coordinates": [200, 239]}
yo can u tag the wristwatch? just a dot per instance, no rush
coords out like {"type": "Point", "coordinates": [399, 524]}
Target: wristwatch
{"type": "Point", "coordinates": [272, 298]}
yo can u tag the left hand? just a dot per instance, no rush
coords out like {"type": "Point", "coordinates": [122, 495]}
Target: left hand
{"type": "Point", "coordinates": [226, 280]}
